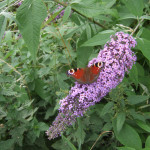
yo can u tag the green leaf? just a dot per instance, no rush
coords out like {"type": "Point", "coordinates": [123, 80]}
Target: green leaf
{"type": "Point", "coordinates": [39, 88]}
{"type": "Point", "coordinates": [125, 148]}
{"type": "Point", "coordinates": [8, 37]}
{"type": "Point", "coordinates": [72, 147]}
{"type": "Point", "coordinates": [66, 13]}
{"type": "Point", "coordinates": [30, 16]}
{"type": "Point", "coordinates": [80, 134]}
{"type": "Point", "coordinates": [52, 17]}
{"type": "Point", "coordinates": [136, 115]}
{"type": "Point", "coordinates": [40, 142]}
{"type": "Point", "coordinates": [73, 31]}
{"type": "Point", "coordinates": [126, 16]}
{"type": "Point", "coordinates": [60, 145]}
{"type": "Point", "coordinates": [31, 136]}
{"type": "Point", "coordinates": [8, 92]}
{"type": "Point", "coordinates": [83, 53]}
{"type": "Point", "coordinates": [140, 69]}
{"type": "Point", "coordinates": [103, 18]}
{"type": "Point", "coordinates": [128, 136]}
{"type": "Point", "coordinates": [17, 134]}
{"type": "Point", "coordinates": [147, 143]}
{"type": "Point", "coordinates": [135, 6]}
{"type": "Point", "coordinates": [108, 3]}
{"type": "Point", "coordinates": [143, 125]}
{"type": "Point", "coordinates": [136, 99]}
{"type": "Point", "coordinates": [134, 75]}
{"type": "Point", "coordinates": [5, 2]}
{"type": "Point", "coordinates": [89, 10]}
{"type": "Point", "coordinates": [145, 89]}
{"type": "Point", "coordinates": [3, 22]}
{"type": "Point", "coordinates": [99, 39]}
{"type": "Point", "coordinates": [74, 17]}
{"type": "Point", "coordinates": [49, 112]}
{"type": "Point", "coordinates": [6, 145]}
{"type": "Point", "coordinates": [143, 46]}
{"type": "Point", "coordinates": [145, 17]}
{"type": "Point", "coordinates": [120, 120]}
{"type": "Point", "coordinates": [43, 126]}
{"type": "Point", "coordinates": [60, 78]}
{"type": "Point", "coordinates": [9, 16]}
{"type": "Point", "coordinates": [145, 33]}
{"type": "Point", "coordinates": [2, 98]}
{"type": "Point", "coordinates": [88, 31]}
{"type": "Point", "coordinates": [107, 108]}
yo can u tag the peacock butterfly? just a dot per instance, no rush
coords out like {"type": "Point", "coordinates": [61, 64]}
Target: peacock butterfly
{"type": "Point", "coordinates": [86, 75]}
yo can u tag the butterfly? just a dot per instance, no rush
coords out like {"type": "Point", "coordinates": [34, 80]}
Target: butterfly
{"type": "Point", "coordinates": [86, 75]}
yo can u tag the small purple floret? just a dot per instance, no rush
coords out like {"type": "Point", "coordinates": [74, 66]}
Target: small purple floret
{"type": "Point", "coordinates": [19, 3]}
{"type": "Point", "coordinates": [118, 59]}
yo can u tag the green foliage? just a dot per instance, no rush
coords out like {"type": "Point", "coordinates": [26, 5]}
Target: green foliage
{"type": "Point", "coordinates": [100, 39]}
{"type": "Point", "coordinates": [107, 108]}
{"type": "Point", "coordinates": [36, 50]}
{"type": "Point", "coordinates": [67, 13]}
{"type": "Point", "coordinates": [83, 53]}
{"type": "Point", "coordinates": [135, 99]}
{"type": "Point", "coordinates": [126, 134]}
{"type": "Point", "coordinates": [147, 143]}
{"type": "Point", "coordinates": [120, 120]}
{"type": "Point", "coordinates": [143, 46]}
{"type": "Point", "coordinates": [72, 147]}
{"type": "Point", "coordinates": [30, 16]}
{"type": "Point", "coordinates": [135, 7]}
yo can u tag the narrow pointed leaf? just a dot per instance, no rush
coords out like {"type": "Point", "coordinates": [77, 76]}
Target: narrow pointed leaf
{"type": "Point", "coordinates": [83, 53]}
{"type": "Point", "coordinates": [143, 125]}
{"type": "Point", "coordinates": [147, 143]}
{"type": "Point", "coordinates": [136, 99]}
{"type": "Point", "coordinates": [3, 22]}
{"type": "Point", "coordinates": [66, 13]}
{"type": "Point", "coordinates": [99, 39]}
{"type": "Point", "coordinates": [72, 147]}
{"type": "Point", "coordinates": [120, 120]}
{"type": "Point", "coordinates": [143, 46]}
{"type": "Point", "coordinates": [125, 148]}
{"type": "Point", "coordinates": [30, 16]}
{"type": "Point", "coordinates": [106, 109]}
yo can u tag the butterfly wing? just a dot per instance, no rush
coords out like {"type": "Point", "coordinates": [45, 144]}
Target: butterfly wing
{"type": "Point", "coordinates": [86, 75]}
{"type": "Point", "coordinates": [94, 72]}
{"type": "Point", "coordinates": [77, 74]}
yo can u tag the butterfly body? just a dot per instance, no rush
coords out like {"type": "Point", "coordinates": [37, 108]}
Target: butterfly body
{"type": "Point", "coordinates": [86, 75]}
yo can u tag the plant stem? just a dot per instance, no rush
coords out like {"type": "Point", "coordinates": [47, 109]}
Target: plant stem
{"type": "Point", "coordinates": [99, 138]}
{"type": "Point", "coordinates": [137, 26]}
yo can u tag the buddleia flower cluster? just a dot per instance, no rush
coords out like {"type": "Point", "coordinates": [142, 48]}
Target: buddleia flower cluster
{"type": "Point", "coordinates": [117, 59]}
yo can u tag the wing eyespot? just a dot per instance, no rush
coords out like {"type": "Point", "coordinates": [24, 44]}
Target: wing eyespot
{"type": "Point", "coordinates": [71, 71]}
{"type": "Point", "coordinates": [98, 64]}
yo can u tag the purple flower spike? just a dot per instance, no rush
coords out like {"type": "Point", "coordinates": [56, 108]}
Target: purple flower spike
{"type": "Point", "coordinates": [118, 59]}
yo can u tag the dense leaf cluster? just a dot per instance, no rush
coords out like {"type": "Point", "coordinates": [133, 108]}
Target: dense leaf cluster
{"type": "Point", "coordinates": [37, 48]}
